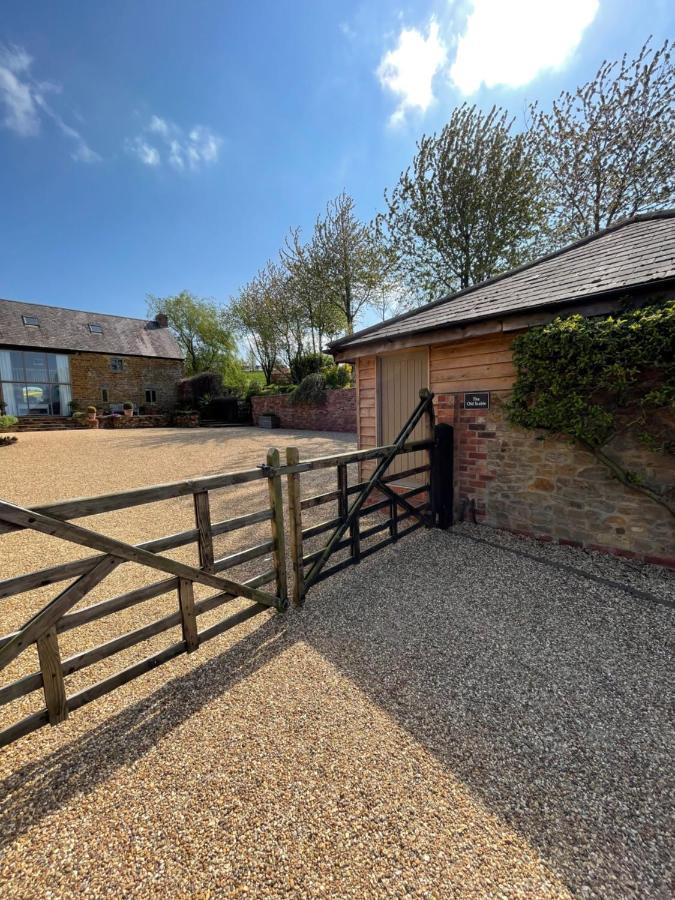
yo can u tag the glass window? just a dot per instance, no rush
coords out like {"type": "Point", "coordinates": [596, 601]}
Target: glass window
{"type": "Point", "coordinates": [95, 328]}
{"type": "Point", "coordinates": [35, 383]}
{"type": "Point", "coordinates": [150, 395]}
{"type": "Point", "coordinates": [30, 320]}
{"type": "Point", "coordinates": [38, 398]}
{"type": "Point", "coordinates": [104, 395]}
{"type": "Point", "coordinates": [15, 398]}
{"type": "Point", "coordinates": [116, 364]}
{"type": "Point", "coordinates": [52, 367]}
{"type": "Point", "coordinates": [36, 366]}
{"type": "Point", "coordinates": [16, 362]}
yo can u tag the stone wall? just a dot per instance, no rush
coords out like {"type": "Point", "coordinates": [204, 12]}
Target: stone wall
{"type": "Point", "coordinates": [90, 372]}
{"type": "Point", "coordinates": [338, 413]}
{"type": "Point", "coordinates": [550, 488]}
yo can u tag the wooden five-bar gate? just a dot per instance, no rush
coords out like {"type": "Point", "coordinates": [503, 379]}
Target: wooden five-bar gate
{"type": "Point", "coordinates": [395, 505]}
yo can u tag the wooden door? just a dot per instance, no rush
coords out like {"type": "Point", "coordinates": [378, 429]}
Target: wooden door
{"type": "Point", "coordinates": [400, 378]}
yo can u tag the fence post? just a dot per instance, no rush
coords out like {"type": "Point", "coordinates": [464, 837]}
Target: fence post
{"type": "Point", "coordinates": [53, 684]}
{"type": "Point", "coordinates": [442, 476]}
{"type": "Point", "coordinates": [203, 520]}
{"type": "Point", "coordinates": [295, 526]}
{"type": "Point", "coordinates": [186, 599]}
{"type": "Point", "coordinates": [278, 538]}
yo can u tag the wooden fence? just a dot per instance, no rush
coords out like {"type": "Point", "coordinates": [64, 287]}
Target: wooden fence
{"type": "Point", "coordinates": [44, 628]}
{"type": "Point", "coordinates": [299, 534]}
{"type": "Point", "coordinates": [59, 615]}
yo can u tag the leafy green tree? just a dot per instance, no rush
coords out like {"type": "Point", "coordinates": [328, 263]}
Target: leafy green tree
{"type": "Point", "coordinates": [306, 283]}
{"type": "Point", "coordinates": [201, 329]}
{"type": "Point", "coordinates": [469, 206]}
{"type": "Point", "coordinates": [345, 262]}
{"type": "Point", "coordinates": [253, 314]}
{"type": "Point", "coordinates": [607, 150]}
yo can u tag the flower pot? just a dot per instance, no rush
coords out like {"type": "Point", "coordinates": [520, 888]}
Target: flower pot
{"type": "Point", "coordinates": [128, 412]}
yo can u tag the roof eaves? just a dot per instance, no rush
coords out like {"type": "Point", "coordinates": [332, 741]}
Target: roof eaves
{"type": "Point", "coordinates": [577, 299]}
{"type": "Point", "coordinates": [640, 217]}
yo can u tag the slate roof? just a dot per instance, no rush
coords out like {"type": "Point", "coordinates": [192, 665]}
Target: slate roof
{"type": "Point", "coordinates": [630, 254]}
{"type": "Point", "coordinates": [68, 329]}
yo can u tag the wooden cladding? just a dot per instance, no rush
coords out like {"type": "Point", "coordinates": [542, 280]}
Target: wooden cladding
{"type": "Point", "coordinates": [366, 369]}
{"type": "Point", "coordinates": [483, 364]}
{"type": "Point", "coordinates": [479, 364]}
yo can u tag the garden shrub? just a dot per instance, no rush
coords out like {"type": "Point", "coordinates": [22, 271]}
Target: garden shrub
{"type": "Point", "coordinates": [312, 389]}
{"type": "Point", "coordinates": [8, 421]}
{"type": "Point", "coordinates": [338, 376]}
{"type": "Point", "coordinates": [309, 364]}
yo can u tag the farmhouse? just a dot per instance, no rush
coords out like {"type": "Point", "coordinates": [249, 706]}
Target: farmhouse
{"type": "Point", "coordinates": [460, 348]}
{"type": "Point", "coordinates": [51, 356]}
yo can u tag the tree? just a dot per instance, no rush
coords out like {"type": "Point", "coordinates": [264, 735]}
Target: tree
{"type": "Point", "coordinates": [608, 150]}
{"type": "Point", "coordinates": [291, 316]}
{"type": "Point", "coordinates": [345, 261]}
{"type": "Point", "coordinates": [468, 207]}
{"type": "Point", "coordinates": [323, 318]}
{"type": "Point", "coordinates": [253, 314]}
{"type": "Point", "coordinates": [201, 329]}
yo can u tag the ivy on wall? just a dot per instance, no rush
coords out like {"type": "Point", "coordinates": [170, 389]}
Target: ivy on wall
{"type": "Point", "coordinates": [596, 378]}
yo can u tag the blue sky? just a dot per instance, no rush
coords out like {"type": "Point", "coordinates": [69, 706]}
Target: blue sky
{"type": "Point", "coordinates": [150, 145]}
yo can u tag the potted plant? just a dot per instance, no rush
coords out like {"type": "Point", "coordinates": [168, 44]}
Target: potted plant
{"type": "Point", "coordinates": [128, 408]}
{"type": "Point", "coordinates": [269, 420]}
{"type": "Point", "coordinates": [92, 421]}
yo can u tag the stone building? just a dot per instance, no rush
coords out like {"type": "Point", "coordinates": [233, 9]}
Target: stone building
{"type": "Point", "coordinates": [460, 348]}
{"type": "Point", "coordinates": [51, 356]}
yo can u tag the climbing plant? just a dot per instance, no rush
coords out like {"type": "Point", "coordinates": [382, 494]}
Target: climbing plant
{"type": "Point", "coordinates": [596, 378]}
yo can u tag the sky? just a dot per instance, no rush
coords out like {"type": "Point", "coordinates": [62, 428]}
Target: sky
{"type": "Point", "coordinates": [150, 146]}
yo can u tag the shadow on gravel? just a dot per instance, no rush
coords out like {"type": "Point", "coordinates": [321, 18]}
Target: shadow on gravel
{"type": "Point", "coordinates": [312, 443]}
{"type": "Point", "coordinates": [41, 788]}
{"type": "Point", "coordinates": [546, 694]}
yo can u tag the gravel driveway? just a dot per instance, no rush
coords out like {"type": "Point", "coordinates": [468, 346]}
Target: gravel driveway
{"type": "Point", "coordinates": [451, 718]}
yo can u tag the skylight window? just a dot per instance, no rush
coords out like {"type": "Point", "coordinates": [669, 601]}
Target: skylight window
{"type": "Point", "coordinates": [94, 328]}
{"type": "Point", "coordinates": [31, 320]}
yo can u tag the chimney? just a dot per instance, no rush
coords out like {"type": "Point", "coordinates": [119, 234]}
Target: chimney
{"type": "Point", "coordinates": [162, 320]}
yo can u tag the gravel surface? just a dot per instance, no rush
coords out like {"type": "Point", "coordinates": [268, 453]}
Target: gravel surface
{"type": "Point", "coordinates": [449, 719]}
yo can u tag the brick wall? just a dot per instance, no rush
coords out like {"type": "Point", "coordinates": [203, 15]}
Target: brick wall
{"type": "Point", "coordinates": [90, 372]}
{"type": "Point", "coordinates": [338, 413]}
{"type": "Point", "coordinates": [550, 488]}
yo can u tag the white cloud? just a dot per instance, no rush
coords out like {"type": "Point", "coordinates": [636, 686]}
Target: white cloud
{"type": "Point", "coordinates": [199, 147]}
{"type": "Point", "coordinates": [21, 114]}
{"type": "Point", "coordinates": [25, 106]}
{"type": "Point", "coordinates": [147, 154]}
{"type": "Point", "coordinates": [159, 126]}
{"type": "Point", "coordinates": [409, 69]}
{"type": "Point", "coordinates": [510, 43]}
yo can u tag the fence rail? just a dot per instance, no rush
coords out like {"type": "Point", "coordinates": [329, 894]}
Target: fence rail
{"type": "Point", "coordinates": [63, 613]}
{"type": "Point", "coordinates": [59, 616]}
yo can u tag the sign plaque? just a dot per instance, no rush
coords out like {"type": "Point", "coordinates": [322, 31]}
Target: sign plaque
{"type": "Point", "coordinates": [477, 400]}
